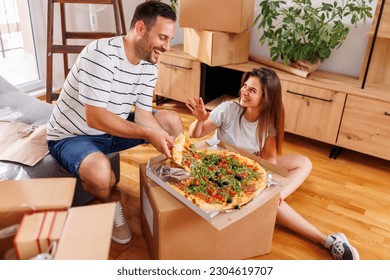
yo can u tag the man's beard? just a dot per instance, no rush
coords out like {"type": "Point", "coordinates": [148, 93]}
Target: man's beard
{"type": "Point", "coordinates": [143, 50]}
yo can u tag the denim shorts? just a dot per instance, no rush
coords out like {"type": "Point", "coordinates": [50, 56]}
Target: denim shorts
{"type": "Point", "coordinates": [71, 151]}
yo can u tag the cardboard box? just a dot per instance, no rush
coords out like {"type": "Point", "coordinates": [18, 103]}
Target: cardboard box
{"type": "Point", "coordinates": [175, 230]}
{"type": "Point", "coordinates": [26, 196]}
{"type": "Point", "coordinates": [87, 230]}
{"type": "Point", "coordinates": [233, 16]}
{"type": "Point", "coordinates": [27, 242]}
{"type": "Point", "coordinates": [87, 233]}
{"type": "Point", "coordinates": [217, 48]}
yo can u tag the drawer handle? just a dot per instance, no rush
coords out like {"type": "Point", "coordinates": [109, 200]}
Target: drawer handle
{"type": "Point", "coordinates": [387, 114]}
{"type": "Point", "coordinates": [313, 97]}
{"type": "Point", "coordinates": [176, 66]}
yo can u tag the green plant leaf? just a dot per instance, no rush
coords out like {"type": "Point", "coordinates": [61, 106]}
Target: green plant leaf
{"type": "Point", "coordinates": [306, 32]}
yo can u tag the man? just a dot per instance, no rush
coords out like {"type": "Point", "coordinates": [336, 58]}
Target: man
{"type": "Point", "coordinates": [93, 117]}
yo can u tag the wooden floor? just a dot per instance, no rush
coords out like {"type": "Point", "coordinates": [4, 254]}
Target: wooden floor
{"type": "Point", "coordinates": [349, 195]}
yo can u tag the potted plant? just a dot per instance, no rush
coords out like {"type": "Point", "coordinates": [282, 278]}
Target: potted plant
{"type": "Point", "coordinates": [303, 35]}
{"type": "Point", "coordinates": [174, 5]}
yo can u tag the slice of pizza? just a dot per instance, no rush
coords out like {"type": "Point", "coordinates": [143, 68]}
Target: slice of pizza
{"type": "Point", "coordinates": [183, 153]}
{"type": "Point", "coordinates": [177, 151]}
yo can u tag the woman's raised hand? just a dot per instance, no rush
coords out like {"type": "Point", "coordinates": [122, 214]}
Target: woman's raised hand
{"type": "Point", "coordinates": [197, 108]}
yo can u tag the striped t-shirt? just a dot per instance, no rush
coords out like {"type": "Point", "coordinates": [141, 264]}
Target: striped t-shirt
{"type": "Point", "coordinates": [103, 77]}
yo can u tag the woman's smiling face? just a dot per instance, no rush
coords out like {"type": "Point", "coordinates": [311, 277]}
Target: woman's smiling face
{"type": "Point", "coordinates": [251, 94]}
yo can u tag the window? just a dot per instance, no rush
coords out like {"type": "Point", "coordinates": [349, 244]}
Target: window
{"type": "Point", "coordinates": [22, 43]}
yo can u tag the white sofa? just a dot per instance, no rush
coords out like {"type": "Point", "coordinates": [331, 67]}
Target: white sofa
{"type": "Point", "coordinates": [37, 112]}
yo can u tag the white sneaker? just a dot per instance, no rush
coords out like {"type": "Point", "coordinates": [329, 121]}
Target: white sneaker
{"type": "Point", "coordinates": [121, 232]}
{"type": "Point", "coordinates": [340, 248]}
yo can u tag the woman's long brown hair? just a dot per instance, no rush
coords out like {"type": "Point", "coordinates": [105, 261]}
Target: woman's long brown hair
{"type": "Point", "coordinates": [271, 108]}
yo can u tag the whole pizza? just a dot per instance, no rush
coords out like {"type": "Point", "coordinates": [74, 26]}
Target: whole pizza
{"type": "Point", "coordinates": [219, 180]}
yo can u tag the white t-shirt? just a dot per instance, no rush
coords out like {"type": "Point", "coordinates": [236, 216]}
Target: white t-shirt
{"type": "Point", "coordinates": [234, 129]}
{"type": "Point", "coordinates": [103, 77]}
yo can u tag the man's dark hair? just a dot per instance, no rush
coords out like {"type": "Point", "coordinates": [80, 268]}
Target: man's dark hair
{"type": "Point", "coordinates": [149, 11]}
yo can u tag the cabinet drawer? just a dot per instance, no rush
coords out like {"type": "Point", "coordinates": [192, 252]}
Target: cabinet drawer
{"type": "Point", "coordinates": [365, 127]}
{"type": "Point", "coordinates": [179, 78]}
{"type": "Point", "coordinates": [312, 112]}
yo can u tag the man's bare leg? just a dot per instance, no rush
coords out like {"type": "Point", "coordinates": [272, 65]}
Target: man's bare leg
{"type": "Point", "coordinates": [99, 180]}
{"type": "Point", "coordinates": [170, 121]}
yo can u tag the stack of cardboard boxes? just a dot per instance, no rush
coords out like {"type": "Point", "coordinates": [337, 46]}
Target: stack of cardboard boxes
{"type": "Point", "coordinates": [217, 32]}
{"type": "Point", "coordinates": [85, 234]}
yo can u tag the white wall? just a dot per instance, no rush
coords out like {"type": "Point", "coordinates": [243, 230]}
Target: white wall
{"type": "Point", "coordinates": [346, 60]}
{"type": "Point", "coordinates": [77, 17]}
{"type": "Point", "coordinates": [129, 7]}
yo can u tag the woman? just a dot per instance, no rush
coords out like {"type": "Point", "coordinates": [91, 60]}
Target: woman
{"type": "Point", "coordinates": [255, 123]}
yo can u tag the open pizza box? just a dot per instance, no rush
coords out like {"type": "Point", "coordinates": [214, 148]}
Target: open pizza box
{"type": "Point", "coordinates": [220, 220]}
{"type": "Point", "coordinates": [86, 233]}
{"type": "Point", "coordinates": [174, 228]}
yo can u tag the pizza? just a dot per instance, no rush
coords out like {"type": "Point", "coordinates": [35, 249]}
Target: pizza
{"type": "Point", "coordinates": [181, 144]}
{"type": "Point", "coordinates": [219, 180]}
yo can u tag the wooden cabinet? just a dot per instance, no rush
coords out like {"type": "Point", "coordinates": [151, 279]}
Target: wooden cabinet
{"type": "Point", "coordinates": [179, 75]}
{"type": "Point", "coordinates": [365, 126]}
{"type": "Point", "coordinates": [328, 107]}
{"type": "Point", "coordinates": [312, 112]}
{"type": "Point", "coordinates": [376, 73]}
